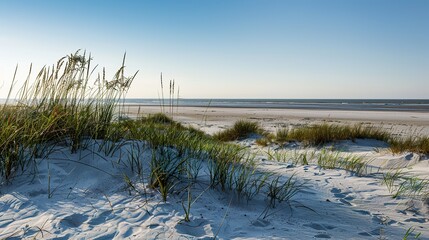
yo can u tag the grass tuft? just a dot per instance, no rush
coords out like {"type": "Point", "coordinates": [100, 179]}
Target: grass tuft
{"type": "Point", "coordinates": [160, 118]}
{"type": "Point", "coordinates": [240, 130]}
{"type": "Point", "coordinates": [320, 134]}
{"type": "Point", "coordinates": [61, 106]}
{"type": "Point", "coordinates": [411, 144]}
{"type": "Point", "coordinates": [325, 133]}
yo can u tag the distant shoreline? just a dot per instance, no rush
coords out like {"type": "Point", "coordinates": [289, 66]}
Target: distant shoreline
{"type": "Point", "coordinates": [400, 105]}
{"type": "Point", "coordinates": [422, 109]}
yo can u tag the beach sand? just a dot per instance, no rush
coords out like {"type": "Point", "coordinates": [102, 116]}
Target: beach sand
{"type": "Point", "coordinates": [211, 119]}
{"type": "Point", "coordinates": [86, 203]}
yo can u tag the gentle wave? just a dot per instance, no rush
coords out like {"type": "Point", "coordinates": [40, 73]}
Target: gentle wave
{"type": "Point", "coordinates": [420, 105]}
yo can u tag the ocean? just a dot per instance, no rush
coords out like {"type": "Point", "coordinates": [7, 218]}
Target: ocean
{"type": "Point", "coordinates": [411, 105]}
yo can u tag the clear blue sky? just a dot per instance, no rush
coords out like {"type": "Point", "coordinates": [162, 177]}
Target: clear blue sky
{"type": "Point", "coordinates": [232, 49]}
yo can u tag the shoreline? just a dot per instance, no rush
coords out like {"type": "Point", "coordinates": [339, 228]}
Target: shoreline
{"type": "Point", "coordinates": [303, 106]}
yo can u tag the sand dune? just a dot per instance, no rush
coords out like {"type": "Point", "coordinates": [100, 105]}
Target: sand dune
{"type": "Point", "coordinates": [84, 195]}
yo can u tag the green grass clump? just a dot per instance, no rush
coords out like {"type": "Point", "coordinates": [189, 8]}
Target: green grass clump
{"type": "Point", "coordinates": [400, 185]}
{"type": "Point", "coordinates": [281, 135]}
{"type": "Point", "coordinates": [282, 191]}
{"type": "Point", "coordinates": [412, 144]}
{"type": "Point", "coordinates": [325, 133]}
{"type": "Point", "coordinates": [264, 141]}
{"type": "Point", "coordinates": [241, 129]}
{"type": "Point", "coordinates": [326, 159]}
{"type": "Point", "coordinates": [159, 118]}
{"type": "Point", "coordinates": [320, 134]}
{"type": "Point", "coordinates": [61, 106]}
{"type": "Point", "coordinates": [62, 109]}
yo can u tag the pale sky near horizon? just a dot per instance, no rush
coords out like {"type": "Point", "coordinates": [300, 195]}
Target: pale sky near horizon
{"type": "Point", "coordinates": [231, 49]}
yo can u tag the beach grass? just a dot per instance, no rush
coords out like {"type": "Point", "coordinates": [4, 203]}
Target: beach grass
{"type": "Point", "coordinates": [418, 144]}
{"type": "Point", "coordinates": [240, 129]}
{"type": "Point", "coordinates": [400, 185]}
{"type": "Point", "coordinates": [59, 107]}
{"type": "Point", "coordinates": [320, 134]}
{"type": "Point", "coordinates": [62, 108]}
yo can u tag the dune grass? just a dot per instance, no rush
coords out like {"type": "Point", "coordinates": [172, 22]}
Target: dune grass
{"type": "Point", "coordinates": [325, 158]}
{"type": "Point", "coordinates": [418, 144]}
{"type": "Point", "coordinates": [60, 106]}
{"type": "Point", "coordinates": [324, 133]}
{"type": "Point", "coordinates": [161, 118]}
{"type": "Point", "coordinates": [180, 153]}
{"type": "Point", "coordinates": [320, 134]}
{"type": "Point", "coordinates": [400, 185]}
{"type": "Point", "coordinates": [240, 129]}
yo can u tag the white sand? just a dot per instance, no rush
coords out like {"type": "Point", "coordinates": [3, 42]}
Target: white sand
{"type": "Point", "coordinates": [90, 200]}
{"type": "Point", "coordinates": [212, 119]}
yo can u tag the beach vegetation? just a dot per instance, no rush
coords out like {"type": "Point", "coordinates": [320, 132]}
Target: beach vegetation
{"type": "Point", "coordinates": [390, 178]}
{"type": "Point", "coordinates": [412, 187]}
{"type": "Point", "coordinates": [61, 106]}
{"type": "Point", "coordinates": [400, 185]}
{"type": "Point", "coordinates": [320, 134]}
{"type": "Point", "coordinates": [411, 234]}
{"type": "Point", "coordinates": [281, 135]}
{"type": "Point", "coordinates": [263, 142]}
{"type": "Point", "coordinates": [279, 192]}
{"type": "Point", "coordinates": [325, 158]}
{"type": "Point", "coordinates": [63, 109]}
{"type": "Point", "coordinates": [160, 118]}
{"type": "Point", "coordinates": [241, 129]}
{"type": "Point", "coordinates": [417, 144]}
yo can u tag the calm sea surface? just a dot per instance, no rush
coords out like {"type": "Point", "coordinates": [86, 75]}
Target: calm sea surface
{"type": "Point", "coordinates": [414, 105]}
{"type": "Point", "coordinates": [410, 105]}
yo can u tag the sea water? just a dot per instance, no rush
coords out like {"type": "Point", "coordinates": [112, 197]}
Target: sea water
{"type": "Point", "coordinates": [414, 105]}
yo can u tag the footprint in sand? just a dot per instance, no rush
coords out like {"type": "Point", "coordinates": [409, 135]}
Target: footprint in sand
{"type": "Point", "coordinates": [335, 190]}
{"type": "Point", "coordinates": [417, 220]}
{"type": "Point", "coordinates": [194, 228]}
{"type": "Point", "coordinates": [73, 221]}
{"type": "Point", "coordinates": [315, 226]}
{"type": "Point", "coordinates": [381, 219]}
{"type": "Point", "coordinates": [363, 212]}
{"type": "Point", "coordinates": [343, 197]}
{"type": "Point", "coordinates": [101, 218]}
{"type": "Point", "coordinates": [37, 193]}
{"type": "Point", "coordinates": [319, 227]}
{"type": "Point", "coordinates": [322, 235]}
{"type": "Point", "coordinates": [153, 225]}
{"type": "Point", "coordinates": [260, 223]}
{"type": "Point", "coordinates": [375, 232]}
